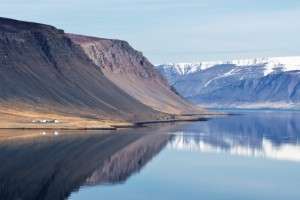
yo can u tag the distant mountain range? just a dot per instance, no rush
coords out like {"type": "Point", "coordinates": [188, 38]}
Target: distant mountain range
{"type": "Point", "coordinates": [250, 83]}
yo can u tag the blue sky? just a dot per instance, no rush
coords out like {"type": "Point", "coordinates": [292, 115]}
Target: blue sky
{"type": "Point", "coordinates": [176, 30]}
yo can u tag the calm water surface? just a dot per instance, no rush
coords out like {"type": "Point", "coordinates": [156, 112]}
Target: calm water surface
{"type": "Point", "coordinates": [255, 155]}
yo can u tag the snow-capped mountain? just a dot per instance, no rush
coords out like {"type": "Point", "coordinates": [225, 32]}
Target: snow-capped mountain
{"type": "Point", "coordinates": [267, 82]}
{"type": "Point", "coordinates": [268, 65]}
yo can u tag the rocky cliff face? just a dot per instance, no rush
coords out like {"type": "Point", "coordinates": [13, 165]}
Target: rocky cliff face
{"type": "Point", "coordinates": [43, 70]}
{"type": "Point", "coordinates": [133, 73]}
{"type": "Point", "coordinates": [118, 57]}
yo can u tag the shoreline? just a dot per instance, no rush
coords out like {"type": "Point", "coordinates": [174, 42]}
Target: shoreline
{"type": "Point", "coordinates": [139, 123]}
{"type": "Point", "coordinates": [106, 126]}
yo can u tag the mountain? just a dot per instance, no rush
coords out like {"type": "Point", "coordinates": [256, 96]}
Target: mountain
{"type": "Point", "coordinates": [133, 73]}
{"type": "Point", "coordinates": [43, 73]}
{"type": "Point", "coordinates": [274, 91]}
{"type": "Point", "coordinates": [270, 82]}
{"type": "Point", "coordinates": [268, 65]}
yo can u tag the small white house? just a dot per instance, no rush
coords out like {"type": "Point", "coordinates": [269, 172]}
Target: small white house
{"type": "Point", "coordinates": [43, 121]}
{"type": "Point", "coordinates": [55, 121]}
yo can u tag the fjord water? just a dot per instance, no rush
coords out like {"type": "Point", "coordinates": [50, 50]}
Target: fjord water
{"type": "Point", "coordinates": [252, 155]}
{"type": "Point", "coordinates": [255, 155]}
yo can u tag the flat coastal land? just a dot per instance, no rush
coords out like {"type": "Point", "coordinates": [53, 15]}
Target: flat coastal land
{"type": "Point", "coordinates": [28, 120]}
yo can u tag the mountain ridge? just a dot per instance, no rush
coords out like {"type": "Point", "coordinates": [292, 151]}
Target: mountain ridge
{"type": "Point", "coordinates": [234, 83]}
{"type": "Point", "coordinates": [43, 73]}
{"type": "Point", "coordinates": [47, 74]}
{"type": "Point", "coordinates": [291, 63]}
{"type": "Point", "coordinates": [134, 74]}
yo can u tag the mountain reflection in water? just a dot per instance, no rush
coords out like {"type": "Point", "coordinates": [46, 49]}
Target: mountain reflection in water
{"type": "Point", "coordinates": [127, 161]}
{"type": "Point", "coordinates": [236, 146]}
{"type": "Point", "coordinates": [268, 134]}
{"type": "Point", "coordinates": [51, 167]}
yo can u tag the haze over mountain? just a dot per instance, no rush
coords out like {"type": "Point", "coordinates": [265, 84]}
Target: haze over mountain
{"type": "Point", "coordinates": [270, 82]}
{"type": "Point", "coordinates": [43, 72]}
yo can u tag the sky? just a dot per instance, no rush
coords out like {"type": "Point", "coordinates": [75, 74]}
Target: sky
{"type": "Point", "coordinates": [169, 31]}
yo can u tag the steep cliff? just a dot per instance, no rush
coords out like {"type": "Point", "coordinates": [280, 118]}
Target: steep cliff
{"type": "Point", "coordinates": [132, 72]}
{"type": "Point", "coordinates": [43, 71]}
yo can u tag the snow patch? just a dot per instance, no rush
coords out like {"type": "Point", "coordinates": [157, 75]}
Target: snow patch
{"type": "Point", "coordinates": [269, 65]}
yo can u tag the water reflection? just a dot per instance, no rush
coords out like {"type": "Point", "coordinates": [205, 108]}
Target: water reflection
{"type": "Point", "coordinates": [52, 165]}
{"type": "Point", "coordinates": [41, 166]}
{"type": "Point", "coordinates": [236, 146]}
{"type": "Point", "coordinates": [54, 133]}
{"type": "Point", "coordinates": [269, 135]}
{"type": "Point", "coordinates": [181, 172]}
{"type": "Point", "coordinates": [128, 161]}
